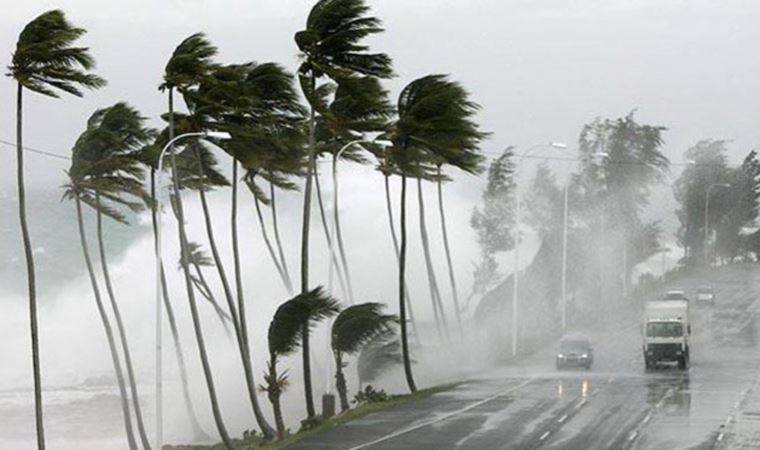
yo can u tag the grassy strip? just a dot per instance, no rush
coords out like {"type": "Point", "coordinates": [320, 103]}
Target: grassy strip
{"type": "Point", "coordinates": [355, 414]}
{"type": "Point", "coordinates": [338, 420]}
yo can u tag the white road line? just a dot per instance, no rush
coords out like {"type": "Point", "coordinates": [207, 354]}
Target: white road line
{"type": "Point", "coordinates": [720, 437]}
{"type": "Point", "coordinates": [633, 435]}
{"type": "Point", "coordinates": [406, 430]}
{"type": "Point", "coordinates": [562, 419]}
{"type": "Point", "coordinates": [543, 436]}
{"type": "Point", "coordinates": [647, 418]}
{"type": "Point", "coordinates": [581, 403]}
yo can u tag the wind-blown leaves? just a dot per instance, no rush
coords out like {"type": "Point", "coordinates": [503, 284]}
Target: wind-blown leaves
{"type": "Point", "coordinates": [45, 61]}
{"type": "Point", "coordinates": [285, 328]}
{"type": "Point", "coordinates": [190, 61]}
{"type": "Point", "coordinates": [359, 324]}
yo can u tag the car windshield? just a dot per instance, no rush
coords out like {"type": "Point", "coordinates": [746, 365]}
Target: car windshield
{"type": "Point", "coordinates": [574, 346]}
{"type": "Point", "coordinates": [664, 329]}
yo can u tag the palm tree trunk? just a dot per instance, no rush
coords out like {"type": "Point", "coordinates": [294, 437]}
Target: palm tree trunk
{"type": "Point", "coordinates": [264, 426]}
{"type": "Point", "coordinates": [389, 208]}
{"type": "Point", "coordinates": [109, 332]}
{"type": "Point", "coordinates": [277, 264]}
{"type": "Point", "coordinates": [274, 397]}
{"type": "Point", "coordinates": [191, 293]}
{"type": "Point", "coordinates": [198, 432]}
{"type": "Point", "coordinates": [203, 287]}
{"type": "Point", "coordinates": [122, 332]}
{"type": "Point", "coordinates": [435, 293]}
{"type": "Point", "coordinates": [401, 291]}
{"type": "Point", "coordinates": [31, 280]}
{"type": "Point", "coordinates": [340, 383]}
{"type": "Point", "coordinates": [276, 229]}
{"type": "Point", "coordinates": [311, 169]}
{"type": "Point", "coordinates": [446, 247]}
{"type": "Point", "coordinates": [339, 237]}
{"type": "Point", "coordinates": [333, 259]}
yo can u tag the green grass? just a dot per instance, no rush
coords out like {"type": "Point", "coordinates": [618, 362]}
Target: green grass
{"type": "Point", "coordinates": [338, 420]}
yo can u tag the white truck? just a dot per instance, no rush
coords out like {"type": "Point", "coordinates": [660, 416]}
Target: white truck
{"type": "Point", "coordinates": [666, 330]}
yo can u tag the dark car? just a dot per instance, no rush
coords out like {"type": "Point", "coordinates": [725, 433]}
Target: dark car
{"type": "Point", "coordinates": [575, 352]}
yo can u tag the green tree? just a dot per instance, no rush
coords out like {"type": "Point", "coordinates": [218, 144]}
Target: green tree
{"type": "Point", "coordinates": [494, 220]}
{"type": "Point", "coordinates": [330, 45]}
{"type": "Point", "coordinates": [189, 64]}
{"type": "Point", "coordinates": [434, 123]}
{"type": "Point", "coordinates": [44, 62]}
{"type": "Point", "coordinates": [104, 176]}
{"type": "Point", "coordinates": [354, 328]}
{"type": "Point", "coordinates": [286, 334]}
{"type": "Point", "coordinates": [709, 166]}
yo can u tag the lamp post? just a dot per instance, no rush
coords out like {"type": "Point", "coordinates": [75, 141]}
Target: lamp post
{"type": "Point", "coordinates": [516, 239]}
{"type": "Point", "coordinates": [707, 212]}
{"type": "Point", "coordinates": [159, 266]}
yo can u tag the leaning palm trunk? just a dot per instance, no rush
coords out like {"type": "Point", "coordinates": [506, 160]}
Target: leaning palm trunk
{"type": "Point", "coordinates": [274, 391]}
{"type": "Point", "coordinates": [340, 382]}
{"type": "Point", "coordinates": [266, 429]}
{"type": "Point", "coordinates": [402, 291]}
{"type": "Point", "coordinates": [191, 292]}
{"type": "Point", "coordinates": [121, 330]}
{"type": "Point", "coordinates": [329, 239]}
{"type": "Point", "coordinates": [339, 236]}
{"type": "Point", "coordinates": [306, 222]}
{"type": "Point", "coordinates": [109, 332]}
{"type": "Point", "coordinates": [446, 247]}
{"type": "Point", "coordinates": [32, 285]}
{"type": "Point", "coordinates": [277, 262]}
{"type": "Point", "coordinates": [389, 208]}
{"type": "Point", "coordinates": [196, 426]}
{"type": "Point", "coordinates": [276, 229]}
{"type": "Point", "coordinates": [435, 293]}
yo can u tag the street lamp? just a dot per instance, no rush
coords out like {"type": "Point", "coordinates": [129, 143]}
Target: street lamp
{"type": "Point", "coordinates": [159, 266]}
{"type": "Point", "coordinates": [707, 211]}
{"type": "Point", "coordinates": [516, 238]}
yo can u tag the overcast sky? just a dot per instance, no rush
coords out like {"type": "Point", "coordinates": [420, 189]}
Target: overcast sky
{"type": "Point", "coordinates": [539, 69]}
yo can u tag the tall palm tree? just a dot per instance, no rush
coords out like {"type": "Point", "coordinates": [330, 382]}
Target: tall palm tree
{"type": "Point", "coordinates": [435, 292]}
{"type": "Point", "coordinates": [115, 137]}
{"type": "Point", "coordinates": [434, 122]}
{"type": "Point", "coordinates": [330, 45]}
{"type": "Point", "coordinates": [44, 62]}
{"type": "Point", "coordinates": [354, 328]}
{"type": "Point", "coordinates": [149, 156]}
{"type": "Point", "coordinates": [286, 334]}
{"type": "Point", "coordinates": [190, 62]}
{"type": "Point", "coordinates": [91, 175]}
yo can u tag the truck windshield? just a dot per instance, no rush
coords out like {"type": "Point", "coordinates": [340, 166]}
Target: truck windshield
{"type": "Point", "coordinates": [664, 329]}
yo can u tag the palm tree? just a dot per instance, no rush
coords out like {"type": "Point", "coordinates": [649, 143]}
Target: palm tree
{"type": "Point", "coordinates": [44, 62]}
{"type": "Point", "coordinates": [190, 62]}
{"type": "Point", "coordinates": [354, 328]}
{"type": "Point", "coordinates": [360, 105]}
{"type": "Point", "coordinates": [116, 135]}
{"type": "Point", "coordinates": [149, 156]}
{"type": "Point", "coordinates": [434, 122]}
{"type": "Point", "coordinates": [331, 44]}
{"type": "Point", "coordinates": [435, 293]}
{"type": "Point", "coordinates": [90, 176]}
{"type": "Point", "coordinates": [286, 333]}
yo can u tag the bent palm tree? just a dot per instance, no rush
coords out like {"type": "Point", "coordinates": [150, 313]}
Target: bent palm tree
{"type": "Point", "coordinates": [354, 328]}
{"type": "Point", "coordinates": [434, 122]}
{"type": "Point", "coordinates": [190, 62]}
{"type": "Point", "coordinates": [149, 156]}
{"type": "Point", "coordinates": [44, 62]}
{"type": "Point", "coordinates": [286, 333]}
{"type": "Point", "coordinates": [331, 44]}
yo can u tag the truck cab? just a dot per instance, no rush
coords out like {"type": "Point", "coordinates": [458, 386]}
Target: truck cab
{"type": "Point", "coordinates": [666, 333]}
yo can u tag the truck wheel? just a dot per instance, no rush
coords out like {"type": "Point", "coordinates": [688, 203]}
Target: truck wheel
{"type": "Point", "coordinates": [682, 363]}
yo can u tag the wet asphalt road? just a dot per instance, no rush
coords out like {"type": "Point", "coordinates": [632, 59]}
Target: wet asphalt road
{"type": "Point", "coordinates": [715, 404]}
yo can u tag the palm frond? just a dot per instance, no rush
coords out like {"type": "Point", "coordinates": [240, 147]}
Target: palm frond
{"type": "Point", "coordinates": [285, 327]}
{"type": "Point", "coordinates": [359, 324]}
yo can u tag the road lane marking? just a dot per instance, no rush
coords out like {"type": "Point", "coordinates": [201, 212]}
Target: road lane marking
{"type": "Point", "coordinates": [633, 435]}
{"type": "Point", "coordinates": [647, 418]}
{"type": "Point", "coordinates": [543, 436]}
{"type": "Point", "coordinates": [580, 404]}
{"type": "Point", "coordinates": [404, 431]}
{"type": "Point", "coordinates": [720, 437]}
{"type": "Point", "coordinates": [562, 419]}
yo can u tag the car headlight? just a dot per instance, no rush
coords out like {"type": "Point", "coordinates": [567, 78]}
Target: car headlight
{"type": "Point", "coordinates": [585, 355]}
{"type": "Point", "coordinates": [560, 355]}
